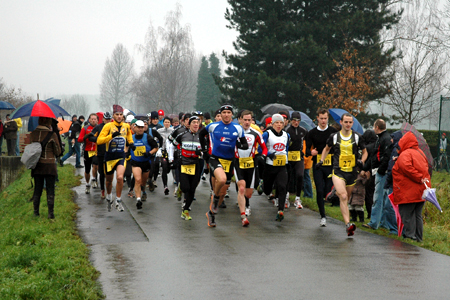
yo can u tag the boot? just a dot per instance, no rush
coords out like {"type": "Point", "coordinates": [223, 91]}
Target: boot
{"type": "Point", "coordinates": [353, 215]}
{"type": "Point", "coordinates": [361, 216]}
{"type": "Point", "coordinates": [51, 205]}
{"type": "Point", "coordinates": [36, 202]}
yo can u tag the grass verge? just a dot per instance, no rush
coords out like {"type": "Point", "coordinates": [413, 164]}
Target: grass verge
{"type": "Point", "coordinates": [436, 235]}
{"type": "Point", "coordinates": [42, 258]}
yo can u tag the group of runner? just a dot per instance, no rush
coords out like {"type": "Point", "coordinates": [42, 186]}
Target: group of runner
{"type": "Point", "coordinates": [269, 159]}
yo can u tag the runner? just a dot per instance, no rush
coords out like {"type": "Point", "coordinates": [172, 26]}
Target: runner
{"type": "Point", "coordinates": [346, 145]}
{"type": "Point", "coordinates": [295, 157]}
{"type": "Point", "coordinates": [116, 136]}
{"type": "Point", "coordinates": [189, 144]}
{"type": "Point", "coordinates": [277, 143]}
{"type": "Point", "coordinates": [244, 169]}
{"type": "Point", "coordinates": [164, 159]}
{"type": "Point", "coordinates": [146, 146]}
{"type": "Point", "coordinates": [317, 138]}
{"type": "Point", "coordinates": [89, 153]}
{"type": "Point", "coordinates": [224, 137]}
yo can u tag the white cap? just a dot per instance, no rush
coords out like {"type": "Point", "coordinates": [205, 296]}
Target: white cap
{"type": "Point", "coordinates": [125, 111]}
{"type": "Point", "coordinates": [277, 117]}
{"type": "Point", "coordinates": [129, 118]}
{"type": "Point", "coordinates": [139, 123]}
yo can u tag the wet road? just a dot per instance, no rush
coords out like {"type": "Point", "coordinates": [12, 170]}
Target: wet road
{"type": "Point", "coordinates": [154, 254]}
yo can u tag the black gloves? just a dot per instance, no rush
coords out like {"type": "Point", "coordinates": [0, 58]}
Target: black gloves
{"type": "Point", "coordinates": [198, 152]}
{"type": "Point", "coordinates": [132, 147]}
{"type": "Point", "coordinates": [271, 155]}
{"type": "Point", "coordinates": [87, 136]}
{"type": "Point", "coordinates": [319, 164]}
{"type": "Point", "coordinates": [116, 133]}
{"type": "Point", "coordinates": [146, 154]}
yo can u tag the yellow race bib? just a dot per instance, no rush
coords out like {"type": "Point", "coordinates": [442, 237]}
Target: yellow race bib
{"type": "Point", "coordinates": [225, 164]}
{"type": "Point", "coordinates": [294, 156]}
{"type": "Point", "coordinates": [279, 160]}
{"type": "Point", "coordinates": [326, 161]}
{"type": "Point", "coordinates": [188, 169]}
{"type": "Point", "coordinates": [346, 162]}
{"type": "Point", "coordinates": [140, 150]}
{"type": "Point", "coordinates": [92, 153]}
{"type": "Point", "coordinates": [246, 163]}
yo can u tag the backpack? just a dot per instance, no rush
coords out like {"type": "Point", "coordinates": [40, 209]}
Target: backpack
{"type": "Point", "coordinates": [33, 151]}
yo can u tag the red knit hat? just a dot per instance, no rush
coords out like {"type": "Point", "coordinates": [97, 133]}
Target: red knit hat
{"type": "Point", "coordinates": [117, 108]}
{"type": "Point", "coordinates": [268, 121]}
{"type": "Point", "coordinates": [160, 112]}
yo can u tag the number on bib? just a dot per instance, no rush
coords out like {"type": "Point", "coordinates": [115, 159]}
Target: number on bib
{"type": "Point", "coordinates": [140, 150]}
{"type": "Point", "coordinates": [326, 161]}
{"type": "Point", "coordinates": [294, 156]}
{"type": "Point", "coordinates": [188, 169]}
{"type": "Point", "coordinates": [225, 164]}
{"type": "Point", "coordinates": [246, 163]}
{"type": "Point", "coordinates": [279, 160]}
{"type": "Point", "coordinates": [346, 162]}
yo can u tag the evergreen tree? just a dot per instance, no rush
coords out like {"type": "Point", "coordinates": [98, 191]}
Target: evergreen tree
{"type": "Point", "coordinates": [208, 93]}
{"type": "Point", "coordinates": [214, 70]}
{"type": "Point", "coordinates": [285, 48]}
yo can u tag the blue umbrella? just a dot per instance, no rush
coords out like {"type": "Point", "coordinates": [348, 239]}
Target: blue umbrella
{"type": "Point", "coordinates": [306, 121]}
{"type": "Point", "coordinates": [6, 105]}
{"type": "Point", "coordinates": [25, 110]}
{"type": "Point", "coordinates": [336, 114]}
{"type": "Point", "coordinates": [33, 121]}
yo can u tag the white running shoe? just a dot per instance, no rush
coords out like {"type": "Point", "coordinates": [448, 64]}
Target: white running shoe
{"type": "Point", "coordinates": [248, 211]}
{"type": "Point", "coordinates": [275, 202]}
{"type": "Point", "coordinates": [88, 189]}
{"type": "Point", "coordinates": [298, 204]}
{"type": "Point", "coordinates": [323, 222]}
{"type": "Point", "coordinates": [94, 184]}
{"type": "Point", "coordinates": [109, 201]}
{"type": "Point", "coordinates": [287, 204]}
{"type": "Point", "coordinates": [119, 205]}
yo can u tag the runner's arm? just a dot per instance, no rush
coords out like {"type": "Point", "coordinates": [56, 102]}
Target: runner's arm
{"type": "Point", "coordinates": [151, 141]}
{"type": "Point", "coordinates": [81, 136]}
{"type": "Point", "coordinates": [202, 134]}
{"type": "Point", "coordinates": [105, 136]}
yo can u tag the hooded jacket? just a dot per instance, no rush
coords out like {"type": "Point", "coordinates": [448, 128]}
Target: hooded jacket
{"type": "Point", "coordinates": [409, 170]}
{"type": "Point", "coordinates": [383, 148]}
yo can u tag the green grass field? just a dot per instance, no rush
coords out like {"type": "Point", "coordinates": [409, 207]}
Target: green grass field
{"type": "Point", "coordinates": [42, 258]}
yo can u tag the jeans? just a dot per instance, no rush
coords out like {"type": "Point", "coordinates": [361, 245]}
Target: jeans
{"type": "Point", "coordinates": [76, 149]}
{"type": "Point", "coordinates": [11, 145]}
{"type": "Point", "coordinates": [307, 186]}
{"type": "Point", "coordinates": [382, 212]}
{"type": "Point", "coordinates": [17, 144]}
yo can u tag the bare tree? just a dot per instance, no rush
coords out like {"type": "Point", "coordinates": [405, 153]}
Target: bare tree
{"type": "Point", "coordinates": [76, 104]}
{"type": "Point", "coordinates": [117, 78]}
{"type": "Point", "coordinates": [13, 95]}
{"type": "Point", "coordinates": [420, 72]}
{"type": "Point", "coordinates": [169, 76]}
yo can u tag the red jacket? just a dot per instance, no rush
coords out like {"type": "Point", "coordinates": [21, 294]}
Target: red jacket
{"type": "Point", "coordinates": [409, 170]}
{"type": "Point", "coordinates": [89, 146]}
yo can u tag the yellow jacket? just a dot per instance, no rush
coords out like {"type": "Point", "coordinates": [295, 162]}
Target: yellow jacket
{"type": "Point", "coordinates": [19, 123]}
{"type": "Point", "coordinates": [106, 134]}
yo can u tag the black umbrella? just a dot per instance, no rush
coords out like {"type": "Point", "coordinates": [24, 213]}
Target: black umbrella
{"type": "Point", "coordinates": [274, 108]}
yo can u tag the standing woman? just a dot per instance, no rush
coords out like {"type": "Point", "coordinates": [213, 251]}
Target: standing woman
{"type": "Point", "coordinates": [277, 142]}
{"type": "Point", "coordinates": [45, 170]}
{"type": "Point", "coordinates": [409, 173]}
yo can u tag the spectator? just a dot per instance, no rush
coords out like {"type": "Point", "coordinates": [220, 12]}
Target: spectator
{"type": "Point", "coordinates": [45, 170]}
{"type": "Point", "coordinates": [175, 122]}
{"type": "Point", "coordinates": [1, 135]}
{"type": "Point", "coordinates": [443, 143]}
{"type": "Point", "coordinates": [409, 173]}
{"type": "Point", "coordinates": [74, 133]}
{"type": "Point", "coordinates": [161, 117]}
{"type": "Point", "coordinates": [370, 138]}
{"type": "Point", "coordinates": [154, 121]}
{"type": "Point", "coordinates": [10, 131]}
{"type": "Point", "coordinates": [307, 185]}
{"type": "Point", "coordinates": [208, 120]}
{"type": "Point", "coordinates": [19, 125]}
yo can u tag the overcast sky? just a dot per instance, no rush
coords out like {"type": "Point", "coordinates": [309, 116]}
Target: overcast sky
{"type": "Point", "coordinates": [60, 47]}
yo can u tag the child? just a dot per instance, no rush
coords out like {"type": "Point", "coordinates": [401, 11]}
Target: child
{"type": "Point", "coordinates": [356, 202]}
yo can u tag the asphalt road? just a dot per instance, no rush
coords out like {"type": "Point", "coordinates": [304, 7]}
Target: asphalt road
{"type": "Point", "coordinates": [154, 254]}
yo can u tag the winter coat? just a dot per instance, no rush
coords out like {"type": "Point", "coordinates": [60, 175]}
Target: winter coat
{"type": "Point", "coordinates": [383, 148]}
{"type": "Point", "coordinates": [359, 191]}
{"type": "Point", "coordinates": [409, 170]}
{"type": "Point", "coordinates": [370, 138]}
{"type": "Point", "coordinates": [10, 130]}
{"type": "Point", "coordinates": [396, 136]}
{"type": "Point", "coordinates": [47, 162]}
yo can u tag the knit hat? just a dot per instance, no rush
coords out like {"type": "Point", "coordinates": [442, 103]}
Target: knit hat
{"type": "Point", "coordinates": [296, 116]}
{"type": "Point", "coordinates": [160, 112]}
{"type": "Point", "coordinates": [207, 115]}
{"type": "Point", "coordinates": [154, 115]}
{"type": "Point", "coordinates": [117, 108]}
{"type": "Point", "coordinates": [268, 121]}
{"type": "Point", "coordinates": [277, 117]}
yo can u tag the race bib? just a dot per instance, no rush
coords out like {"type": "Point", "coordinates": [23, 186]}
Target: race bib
{"type": "Point", "coordinates": [246, 163]}
{"type": "Point", "coordinates": [346, 162]}
{"type": "Point", "coordinates": [140, 150]}
{"type": "Point", "coordinates": [326, 161]}
{"type": "Point", "coordinates": [279, 160]}
{"type": "Point", "coordinates": [188, 169]}
{"type": "Point", "coordinates": [225, 164]}
{"type": "Point", "coordinates": [91, 153]}
{"type": "Point", "coordinates": [294, 156]}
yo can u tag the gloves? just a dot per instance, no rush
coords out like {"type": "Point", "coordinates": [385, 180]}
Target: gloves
{"type": "Point", "coordinates": [271, 155]}
{"type": "Point", "coordinates": [359, 164]}
{"type": "Point", "coordinates": [198, 152]}
{"type": "Point", "coordinates": [132, 147]}
{"type": "Point", "coordinates": [87, 136]}
{"type": "Point", "coordinates": [116, 133]}
{"type": "Point", "coordinates": [146, 154]}
{"type": "Point", "coordinates": [318, 165]}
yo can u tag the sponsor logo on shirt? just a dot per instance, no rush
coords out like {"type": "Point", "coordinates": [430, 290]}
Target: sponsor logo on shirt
{"type": "Point", "coordinates": [279, 147]}
{"type": "Point", "coordinates": [225, 140]}
{"type": "Point", "coordinates": [235, 133]}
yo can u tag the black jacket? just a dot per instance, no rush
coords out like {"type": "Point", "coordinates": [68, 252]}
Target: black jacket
{"type": "Point", "coordinates": [383, 147]}
{"type": "Point", "coordinates": [75, 129]}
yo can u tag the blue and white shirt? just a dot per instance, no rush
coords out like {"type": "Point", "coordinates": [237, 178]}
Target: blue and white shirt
{"type": "Point", "coordinates": [223, 138]}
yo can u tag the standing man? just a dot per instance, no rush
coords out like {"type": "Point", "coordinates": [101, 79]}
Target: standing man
{"type": "Point", "coordinates": [382, 212]}
{"type": "Point", "coordinates": [224, 137]}
{"type": "Point", "coordinates": [74, 130]}
{"type": "Point", "coordinates": [117, 136]}
{"type": "Point", "coordinates": [90, 152]}
{"type": "Point", "coordinates": [10, 132]}
{"type": "Point", "coordinates": [317, 138]}
{"type": "Point", "coordinates": [346, 145]}
{"type": "Point", "coordinates": [1, 135]}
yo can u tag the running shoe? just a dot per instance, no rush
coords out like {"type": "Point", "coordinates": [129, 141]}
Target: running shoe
{"type": "Point", "coordinates": [175, 192]}
{"type": "Point", "coordinates": [248, 211]}
{"type": "Point", "coordinates": [298, 204]}
{"type": "Point", "coordinates": [287, 204]}
{"type": "Point", "coordinates": [94, 184]}
{"type": "Point", "coordinates": [203, 177]}
{"type": "Point", "coordinates": [109, 204]}
{"type": "Point", "coordinates": [275, 202]}
{"type": "Point", "coordinates": [119, 205]}
{"type": "Point", "coordinates": [151, 186]}
{"type": "Point", "coordinates": [280, 216]}
{"type": "Point", "coordinates": [226, 195]}
{"type": "Point", "coordinates": [323, 222]}
{"type": "Point", "coordinates": [183, 205]}
{"type": "Point", "coordinates": [166, 191]}
{"type": "Point", "coordinates": [223, 205]}
{"type": "Point", "coordinates": [179, 194]}
{"type": "Point", "coordinates": [350, 228]}
{"type": "Point", "coordinates": [185, 215]}
{"type": "Point", "coordinates": [144, 196]}
{"type": "Point", "coordinates": [260, 187]}
{"type": "Point", "coordinates": [88, 189]}
{"type": "Point", "coordinates": [103, 195]}
{"type": "Point", "coordinates": [139, 203]}
{"type": "Point", "coordinates": [213, 207]}
{"type": "Point", "coordinates": [131, 194]}
{"type": "Point", "coordinates": [245, 222]}
{"type": "Point", "coordinates": [154, 184]}
{"type": "Point", "coordinates": [271, 197]}
{"type": "Point", "coordinates": [211, 219]}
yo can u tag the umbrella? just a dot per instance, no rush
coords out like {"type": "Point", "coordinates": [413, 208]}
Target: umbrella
{"type": "Point", "coordinates": [39, 108]}
{"type": "Point", "coordinates": [306, 121]}
{"type": "Point", "coordinates": [336, 114]}
{"type": "Point", "coordinates": [6, 106]}
{"type": "Point", "coordinates": [397, 214]}
{"type": "Point", "coordinates": [274, 108]}
{"type": "Point", "coordinates": [423, 145]}
{"type": "Point", "coordinates": [33, 121]}
{"type": "Point", "coordinates": [430, 195]}
{"type": "Point", "coordinates": [63, 125]}
{"type": "Point", "coordinates": [171, 116]}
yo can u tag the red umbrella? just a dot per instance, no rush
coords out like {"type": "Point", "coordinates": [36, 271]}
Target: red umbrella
{"type": "Point", "coordinates": [39, 108]}
{"type": "Point", "coordinates": [397, 214]}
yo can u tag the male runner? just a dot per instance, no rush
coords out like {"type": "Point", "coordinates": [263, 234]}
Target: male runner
{"type": "Point", "coordinates": [346, 145]}
{"type": "Point", "coordinates": [89, 153]}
